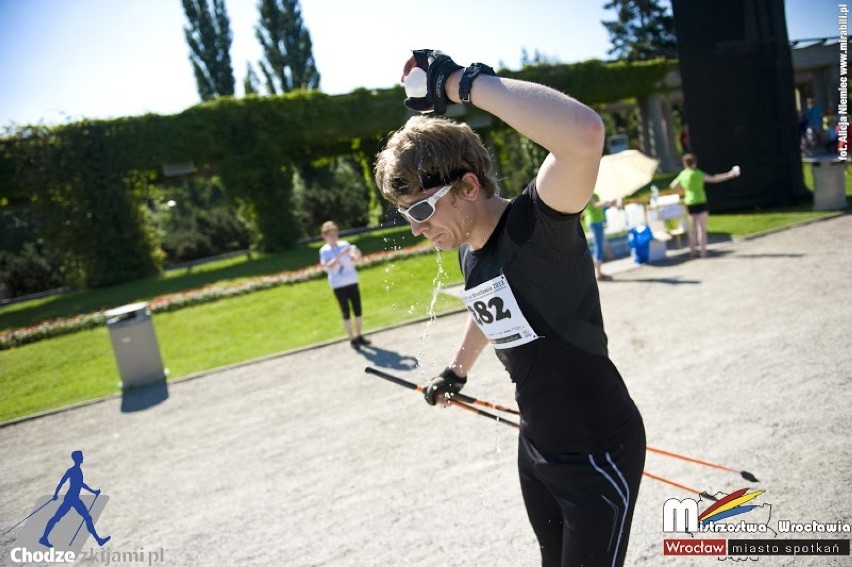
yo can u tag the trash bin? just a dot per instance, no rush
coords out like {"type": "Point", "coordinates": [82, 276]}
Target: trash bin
{"type": "Point", "coordinates": [829, 186]}
{"type": "Point", "coordinates": [134, 343]}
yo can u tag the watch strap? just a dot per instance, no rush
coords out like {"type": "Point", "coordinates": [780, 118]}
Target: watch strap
{"type": "Point", "coordinates": [471, 73]}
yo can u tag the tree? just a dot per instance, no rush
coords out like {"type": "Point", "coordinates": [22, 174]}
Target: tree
{"type": "Point", "coordinates": [538, 58]}
{"type": "Point", "coordinates": [644, 30]}
{"type": "Point", "coordinates": [287, 49]}
{"type": "Point", "coordinates": [209, 38]}
{"type": "Point", "coordinates": [250, 82]}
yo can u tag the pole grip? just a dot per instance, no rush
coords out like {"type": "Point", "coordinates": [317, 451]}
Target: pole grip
{"type": "Point", "coordinates": [457, 396]}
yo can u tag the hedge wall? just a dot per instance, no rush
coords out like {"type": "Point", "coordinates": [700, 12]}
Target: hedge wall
{"type": "Point", "coordinates": [87, 179]}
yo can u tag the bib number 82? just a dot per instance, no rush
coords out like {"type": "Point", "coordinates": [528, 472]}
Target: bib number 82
{"type": "Point", "coordinates": [485, 313]}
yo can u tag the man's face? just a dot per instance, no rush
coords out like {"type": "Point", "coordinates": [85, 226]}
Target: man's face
{"type": "Point", "coordinates": [439, 207]}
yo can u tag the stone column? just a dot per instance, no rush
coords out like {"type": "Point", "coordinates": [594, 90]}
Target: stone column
{"type": "Point", "coordinates": [671, 160]}
{"type": "Point", "coordinates": [657, 132]}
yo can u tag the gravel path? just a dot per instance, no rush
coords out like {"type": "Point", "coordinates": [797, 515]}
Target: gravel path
{"type": "Point", "coordinates": [742, 359]}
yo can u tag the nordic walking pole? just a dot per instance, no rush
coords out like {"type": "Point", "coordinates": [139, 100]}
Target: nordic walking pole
{"type": "Point", "coordinates": [463, 405]}
{"type": "Point", "coordinates": [460, 396]}
{"type": "Point", "coordinates": [467, 407]}
{"type": "Point", "coordinates": [33, 513]}
{"type": "Point", "coordinates": [745, 474]}
{"type": "Point", "coordinates": [701, 493]}
{"type": "Point", "coordinates": [92, 505]}
{"type": "Point", "coordinates": [459, 400]}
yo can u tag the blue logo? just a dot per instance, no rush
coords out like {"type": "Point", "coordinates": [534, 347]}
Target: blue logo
{"type": "Point", "coordinates": [51, 531]}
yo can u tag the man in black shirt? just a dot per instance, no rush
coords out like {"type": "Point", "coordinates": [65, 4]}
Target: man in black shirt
{"type": "Point", "coordinates": [531, 292]}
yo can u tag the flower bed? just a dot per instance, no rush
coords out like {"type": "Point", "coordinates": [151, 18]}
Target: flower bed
{"type": "Point", "coordinates": [173, 302]}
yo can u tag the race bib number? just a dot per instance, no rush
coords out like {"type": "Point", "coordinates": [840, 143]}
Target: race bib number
{"type": "Point", "coordinates": [494, 308]}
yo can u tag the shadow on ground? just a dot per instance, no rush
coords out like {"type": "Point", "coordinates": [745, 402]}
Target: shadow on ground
{"type": "Point", "coordinates": [144, 397]}
{"type": "Point", "coordinates": [385, 358]}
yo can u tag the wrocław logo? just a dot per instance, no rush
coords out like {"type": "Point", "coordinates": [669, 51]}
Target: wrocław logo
{"type": "Point", "coordinates": [721, 530]}
{"type": "Point", "coordinates": [682, 516]}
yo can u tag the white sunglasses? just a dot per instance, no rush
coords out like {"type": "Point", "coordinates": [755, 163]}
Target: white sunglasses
{"type": "Point", "coordinates": [421, 211]}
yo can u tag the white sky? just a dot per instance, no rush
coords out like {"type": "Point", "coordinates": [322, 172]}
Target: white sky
{"type": "Point", "coordinates": [63, 60]}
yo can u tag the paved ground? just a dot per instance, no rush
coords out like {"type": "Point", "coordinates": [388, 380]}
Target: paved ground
{"type": "Point", "coordinates": [742, 359]}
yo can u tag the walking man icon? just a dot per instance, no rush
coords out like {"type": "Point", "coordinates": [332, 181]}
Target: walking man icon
{"type": "Point", "coordinates": [74, 476]}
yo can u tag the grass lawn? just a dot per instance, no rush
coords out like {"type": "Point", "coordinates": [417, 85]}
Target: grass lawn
{"type": "Point", "coordinates": [63, 370]}
{"type": "Point", "coordinates": [173, 281]}
{"type": "Point", "coordinates": [744, 224]}
{"type": "Point", "coordinates": [71, 368]}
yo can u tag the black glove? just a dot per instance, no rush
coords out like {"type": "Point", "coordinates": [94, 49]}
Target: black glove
{"type": "Point", "coordinates": [438, 67]}
{"type": "Point", "coordinates": [445, 383]}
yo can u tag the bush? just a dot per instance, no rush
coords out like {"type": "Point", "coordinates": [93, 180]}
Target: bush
{"type": "Point", "coordinates": [199, 221]}
{"type": "Point", "coordinates": [334, 190]}
{"type": "Point", "coordinates": [26, 266]}
{"type": "Point", "coordinates": [28, 271]}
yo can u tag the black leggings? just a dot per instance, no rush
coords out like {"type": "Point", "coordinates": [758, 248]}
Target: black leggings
{"type": "Point", "coordinates": [346, 295]}
{"type": "Point", "coordinates": [581, 505]}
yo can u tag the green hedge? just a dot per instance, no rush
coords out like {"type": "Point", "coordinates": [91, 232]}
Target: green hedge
{"type": "Point", "coordinates": [88, 179]}
{"type": "Point", "coordinates": [598, 82]}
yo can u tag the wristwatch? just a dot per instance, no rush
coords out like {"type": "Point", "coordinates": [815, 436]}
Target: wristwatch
{"type": "Point", "coordinates": [471, 73]}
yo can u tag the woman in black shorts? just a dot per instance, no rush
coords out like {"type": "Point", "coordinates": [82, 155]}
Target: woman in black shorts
{"type": "Point", "coordinates": [691, 181]}
{"type": "Point", "coordinates": [338, 257]}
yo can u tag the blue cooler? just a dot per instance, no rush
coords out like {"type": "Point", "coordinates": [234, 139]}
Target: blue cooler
{"type": "Point", "coordinates": [639, 239]}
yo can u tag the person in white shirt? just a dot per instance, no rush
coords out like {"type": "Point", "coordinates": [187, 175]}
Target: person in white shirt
{"type": "Point", "coordinates": [338, 258]}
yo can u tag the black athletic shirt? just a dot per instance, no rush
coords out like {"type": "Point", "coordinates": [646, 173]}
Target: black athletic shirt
{"type": "Point", "coordinates": [570, 394]}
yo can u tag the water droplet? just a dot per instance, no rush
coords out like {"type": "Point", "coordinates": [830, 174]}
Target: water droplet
{"type": "Point", "coordinates": [437, 285]}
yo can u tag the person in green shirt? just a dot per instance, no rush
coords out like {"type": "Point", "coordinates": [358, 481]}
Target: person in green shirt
{"type": "Point", "coordinates": [594, 217]}
{"type": "Point", "coordinates": [691, 181]}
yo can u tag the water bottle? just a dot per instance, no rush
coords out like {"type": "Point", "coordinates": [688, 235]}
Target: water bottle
{"type": "Point", "coordinates": [655, 196]}
{"type": "Point", "coordinates": [415, 83]}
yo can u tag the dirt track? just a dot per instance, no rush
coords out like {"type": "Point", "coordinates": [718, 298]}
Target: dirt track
{"type": "Point", "coordinates": [742, 359]}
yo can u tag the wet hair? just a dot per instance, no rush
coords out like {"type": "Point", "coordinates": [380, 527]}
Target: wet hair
{"type": "Point", "coordinates": [689, 160]}
{"type": "Point", "coordinates": [429, 152]}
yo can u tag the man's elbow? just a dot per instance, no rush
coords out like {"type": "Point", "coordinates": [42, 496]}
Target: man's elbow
{"type": "Point", "coordinates": [580, 135]}
{"type": "Point", "coordinates": [594, 131]}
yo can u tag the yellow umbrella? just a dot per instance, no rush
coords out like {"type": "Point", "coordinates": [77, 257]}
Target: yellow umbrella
{"type": "Point", "coordinates": [621, 174]}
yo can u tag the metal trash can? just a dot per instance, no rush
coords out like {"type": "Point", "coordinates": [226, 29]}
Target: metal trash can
{"type": "Point", "coordinates": [134, 343]}
{"type": "Point", "coordinates": [829, 185]}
